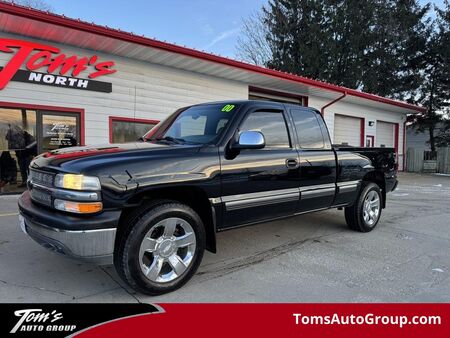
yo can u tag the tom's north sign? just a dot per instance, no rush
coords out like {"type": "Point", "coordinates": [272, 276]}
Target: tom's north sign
{"type": "Point", "coordinates": [46, 65]}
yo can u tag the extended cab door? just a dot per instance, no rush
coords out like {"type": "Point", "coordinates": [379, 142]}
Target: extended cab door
{"type": "Point", "coordinates": [317, 160]}
{"type": "Point", "coordinates": [260, 184]}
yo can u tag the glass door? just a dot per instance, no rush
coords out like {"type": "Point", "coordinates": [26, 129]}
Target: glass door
{"type": "Point", "coordinates": [17, 147]}
{"type": "Point", "coordinates": [58, 130]}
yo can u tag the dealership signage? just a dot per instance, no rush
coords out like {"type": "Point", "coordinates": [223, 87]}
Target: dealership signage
{"type": "Point", "coordinates": [43, 61]}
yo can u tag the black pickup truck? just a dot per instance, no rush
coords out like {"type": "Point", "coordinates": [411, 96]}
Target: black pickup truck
{"type": "Point", "coordinates": [153, 207]}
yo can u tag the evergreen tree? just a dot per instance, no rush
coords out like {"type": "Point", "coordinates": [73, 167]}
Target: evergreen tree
{"type": "Point", "coordinates": [371, 45]}
{"type": "Point", "coordinates": [297, 38]}
{"type": "Point", "coordinates": [434, 90]}
{"type": "Point", "coordinates": [394, 55]}
{"type": "Point", "coordinates": [349, 36]}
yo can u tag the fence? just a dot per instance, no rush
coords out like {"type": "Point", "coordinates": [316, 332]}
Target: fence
{"type": "Point", "coordinates": [425, 161]}
{"type": "Point", "coordinates": [414, 160]}
{"type": "Point", "coordinates": [443, 160]}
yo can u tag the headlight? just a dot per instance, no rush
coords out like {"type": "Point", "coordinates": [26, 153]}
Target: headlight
{"type": "Point", "coordinates": [77, 182]}
{"type": "Point", "coordinates": [78, 207]}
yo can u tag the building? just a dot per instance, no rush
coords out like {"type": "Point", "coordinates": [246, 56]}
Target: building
{"type": "Point", "coordinates": [420, 140]}
{"type": "Point", "coordinates": [67, 82]}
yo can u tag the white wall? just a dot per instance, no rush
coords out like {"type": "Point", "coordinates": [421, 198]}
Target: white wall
{"type": "Point", "coordinates": [157, 91]}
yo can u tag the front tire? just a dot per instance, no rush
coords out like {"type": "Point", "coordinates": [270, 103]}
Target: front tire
{"type": "Point", "coordinates": [364, 215]}
{"type": "Point", "coordinates": [161, 247]}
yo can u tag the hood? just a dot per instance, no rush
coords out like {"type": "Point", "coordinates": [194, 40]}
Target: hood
{"type": "Point", "coordinates": [73, 159]}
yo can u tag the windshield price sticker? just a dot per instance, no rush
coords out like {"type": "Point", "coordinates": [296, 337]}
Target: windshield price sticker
{"type": "Point", "coordinates": [227, 108]}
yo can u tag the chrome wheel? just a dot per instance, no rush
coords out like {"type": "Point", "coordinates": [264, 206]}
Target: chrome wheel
{"type": "Point", "coordinates": [167, 250]}
{"type": "Point", "coordinates": [371, 208]}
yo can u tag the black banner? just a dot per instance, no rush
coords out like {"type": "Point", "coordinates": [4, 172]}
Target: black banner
{"type": "Point", "coordinates": [61, 81]}
{"type": "Point", "coordinates": [62, 320]}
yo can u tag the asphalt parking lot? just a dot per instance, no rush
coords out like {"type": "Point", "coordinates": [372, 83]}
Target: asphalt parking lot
{"type": "Point", "coordinates": [309, 258]}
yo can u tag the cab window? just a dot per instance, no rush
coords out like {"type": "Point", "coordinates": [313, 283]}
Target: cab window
{"type": "Point", "coordinates": [271, 124]}
{"type": "Point", "coordinates": [308, 129]}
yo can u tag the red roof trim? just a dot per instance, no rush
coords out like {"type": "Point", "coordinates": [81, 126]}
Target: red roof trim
{"type": "Point", "coordinates": [129, 37]}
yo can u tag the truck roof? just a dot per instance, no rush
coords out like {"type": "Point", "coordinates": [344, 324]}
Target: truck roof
{"type": "Point", "coordinates": [250, 103]}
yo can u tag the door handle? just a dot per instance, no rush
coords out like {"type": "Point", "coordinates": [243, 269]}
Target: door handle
{"type": "Point", "coordinates": [292, 163]}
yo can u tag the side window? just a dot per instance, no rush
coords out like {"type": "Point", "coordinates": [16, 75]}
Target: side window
{"type": "Point", "coordinates": [271, 124]}
{"type": "Point", "coordinates": [308, 129]}
{"type": "Point", "coordinates": [326, 136]}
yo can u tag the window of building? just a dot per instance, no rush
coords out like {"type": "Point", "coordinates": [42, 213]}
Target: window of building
{"type": "Point", "coordinates": [272, 95]}
{"type": "Point", "coordinates": [271, 124]}
{"type": "Point", "coordinates": [308, 129]}
{"type": "Point", "coordinates": [123, 130]}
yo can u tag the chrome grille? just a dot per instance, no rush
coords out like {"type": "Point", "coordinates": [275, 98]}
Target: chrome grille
{"type": "Point", "coordinates": [41, 196]}
{"type": "Point", "coordinates": [41, 178]}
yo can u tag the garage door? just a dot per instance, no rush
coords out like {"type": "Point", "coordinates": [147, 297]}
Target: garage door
{"type": "Point", "coordinates": [385, 134]}
{"type": "Point", "coordinates": [347, 130]}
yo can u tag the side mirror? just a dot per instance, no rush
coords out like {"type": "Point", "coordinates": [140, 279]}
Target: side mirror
{"type": "Point", "coordinates": [250, 140]}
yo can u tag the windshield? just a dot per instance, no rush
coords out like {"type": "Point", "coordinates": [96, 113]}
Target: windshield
{"type": "Point", "coordinates": [198, 124]}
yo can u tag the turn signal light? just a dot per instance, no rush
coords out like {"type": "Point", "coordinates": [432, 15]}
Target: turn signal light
{"type": "Point", "coordinates": [78, 207]}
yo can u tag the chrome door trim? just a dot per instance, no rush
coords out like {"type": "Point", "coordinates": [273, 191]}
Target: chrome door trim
{"type": "Point", "coordinates": [317, 193]}
{"type": "Point", "coordinates": [348, 183]}
{"type": "Point", "coordinates": [349, 186]}
{"type": "Point", "coordinates": [318, 186]}
{"type": "Point", "coordinates": [318, 190]}
{"type": "Point", "coordinates": [261, 201]}
{"type": "Point", "coordinates": [256, 199]}
{"type": "Point", "coordinates": [267, 193]}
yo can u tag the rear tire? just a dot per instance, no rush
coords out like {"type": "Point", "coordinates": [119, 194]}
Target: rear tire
{"type": "Point", "coordinates": [364, 215]}
{"type": "Point", "coordinates": [161, 247]}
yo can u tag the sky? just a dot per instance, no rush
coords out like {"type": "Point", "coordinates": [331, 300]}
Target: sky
{"type": "Point", "coordinates": [206, 25]}
{"type": "Point", "coordinates": [213, 26]}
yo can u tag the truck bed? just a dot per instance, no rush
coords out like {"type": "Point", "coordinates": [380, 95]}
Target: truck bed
{"type": "Point", "coordinates": [381, 157]}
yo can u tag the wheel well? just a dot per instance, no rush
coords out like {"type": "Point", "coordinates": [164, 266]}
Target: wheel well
{"type": "Point", "coordinates": [191, 196]}
{"type": "Point", "coordinates": [377, 177]}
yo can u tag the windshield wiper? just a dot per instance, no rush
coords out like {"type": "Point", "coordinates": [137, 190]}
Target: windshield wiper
{"type": "Point", "coordinates": [171, 139]}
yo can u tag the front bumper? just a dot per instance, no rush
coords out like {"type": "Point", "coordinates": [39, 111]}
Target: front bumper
{"type": "Point", "coordinates": [86, 238]}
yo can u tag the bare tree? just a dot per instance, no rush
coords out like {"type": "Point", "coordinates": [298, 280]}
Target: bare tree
{"type": "Point", "coordinates": [37, 4]}
{"type": "Point", "coordinates": [252, 45]}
